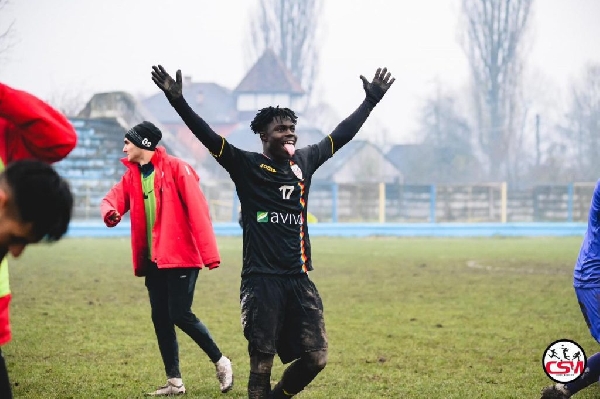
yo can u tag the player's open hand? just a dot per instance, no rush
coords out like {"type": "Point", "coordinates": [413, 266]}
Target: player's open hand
{"type": "Point", "coordinates": [376, 89]}
{"type": "Point", "coordinates": [171, 88]}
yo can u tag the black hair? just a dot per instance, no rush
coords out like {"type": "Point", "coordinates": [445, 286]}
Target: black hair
{"type": "Point", "coordinates": [40, 197]}
{"type": "Point", "coordinates": [267, 115]}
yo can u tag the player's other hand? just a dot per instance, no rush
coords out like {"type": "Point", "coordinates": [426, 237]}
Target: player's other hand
{"type": "Point", "coordinates": [173, 89]}
{"type": "Point", "coordinates": [112, 218]}
{"type": "Point", "coordinates": [376, 89]}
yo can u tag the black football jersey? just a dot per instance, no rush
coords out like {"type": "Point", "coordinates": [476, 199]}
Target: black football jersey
{"type": "Point", "coordinates": [274, 198]}
{"type": "Point", "coordinates": [274, 195]}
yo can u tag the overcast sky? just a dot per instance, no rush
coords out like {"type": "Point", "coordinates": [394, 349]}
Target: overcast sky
{"type": "Point", "coordinates": [70, 46]}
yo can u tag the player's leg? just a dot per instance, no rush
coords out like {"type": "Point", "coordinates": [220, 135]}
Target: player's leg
{"type": "Point", "coordinates": [262, 303]}
{"type": "Point", "coordinates": [5, 389]}
{"type": "Point", "coordinates": [163, 326]}
{"type": "Point", "coordinates": [304, 338]}
{"type": "Point", "coordinates": [589, 301]}
{"type": "Point", "coordinates": [300, 373]}
{"type": "Point", "coordinates": [181, 285]}
{"type": "Point", "coordinates": [259, 382]}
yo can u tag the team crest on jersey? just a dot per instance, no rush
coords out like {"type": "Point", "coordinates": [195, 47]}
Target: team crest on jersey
{"type": "Point", "coordinates": [297, 171]}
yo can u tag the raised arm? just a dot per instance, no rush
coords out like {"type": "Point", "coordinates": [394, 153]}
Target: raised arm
{"type": "Point", "coordinates": [32, 128]}
{"type": "Point", "coordinates": [374, 91]}
{"type": "Point", "coordinates": [173, 90]}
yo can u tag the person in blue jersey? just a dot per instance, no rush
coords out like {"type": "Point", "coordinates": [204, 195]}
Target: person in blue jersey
{"type": "Point", "coordinates": [282, 312]}
{"type": "Point", "coordinates": [586, 281]}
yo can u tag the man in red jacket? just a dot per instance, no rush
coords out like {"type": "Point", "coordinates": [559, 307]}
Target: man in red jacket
{"type": "Point", "coordinates": [29, 129]}
{"type": "Point", "coordinates": [171, 239]}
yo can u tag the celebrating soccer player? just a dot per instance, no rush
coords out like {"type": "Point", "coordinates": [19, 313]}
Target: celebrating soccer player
{"type": "Point", "coordinates": [282, 312]}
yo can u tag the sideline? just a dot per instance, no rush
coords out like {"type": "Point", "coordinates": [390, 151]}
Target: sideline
{"type": "Point", "coordinates": [98, 229]}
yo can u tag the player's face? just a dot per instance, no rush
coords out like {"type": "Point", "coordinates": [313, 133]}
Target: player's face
{"type": "Point", "coordinates": [134, 153]}
{"type": "Point", "coordinates": [15, 234]}
{"type": "Point", "coordinates": [279, 141]}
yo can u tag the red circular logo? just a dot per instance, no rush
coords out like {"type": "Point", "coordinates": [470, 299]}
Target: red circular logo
{"type": "Point", "coordinates": [564, 361]}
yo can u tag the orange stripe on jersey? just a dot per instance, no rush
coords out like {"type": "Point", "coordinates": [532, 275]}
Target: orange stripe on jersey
{"type": "Point", "coordinates": [303, 256]}
{"type": "Point", "coordinates": [330, 139]}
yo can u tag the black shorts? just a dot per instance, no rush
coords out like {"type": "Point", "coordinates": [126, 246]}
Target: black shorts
{"type": "Point", "coordinates": [282, 315]}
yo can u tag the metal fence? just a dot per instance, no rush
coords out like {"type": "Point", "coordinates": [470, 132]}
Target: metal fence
{"type": "Point", "coordinates": [397, 203]}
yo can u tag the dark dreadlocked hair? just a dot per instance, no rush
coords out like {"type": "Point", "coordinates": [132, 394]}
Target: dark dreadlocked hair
{"type": "Point", "coordinates": [267, 115]}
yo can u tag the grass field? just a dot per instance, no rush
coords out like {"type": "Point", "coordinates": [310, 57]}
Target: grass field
{"type": "Point", "coordinates": [406, 318]}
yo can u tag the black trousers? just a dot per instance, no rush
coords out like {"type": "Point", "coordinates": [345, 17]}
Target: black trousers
{"type": "Point", "coordinates": [171, 293]}
{"type": "Point", "coordinates": [5, 391]}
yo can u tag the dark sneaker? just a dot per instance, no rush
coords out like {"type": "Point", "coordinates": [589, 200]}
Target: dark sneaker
{"type": "Point", "coordinates": [556, 391]}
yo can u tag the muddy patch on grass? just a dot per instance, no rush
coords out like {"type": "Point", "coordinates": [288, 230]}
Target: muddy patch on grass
{"type": "Point", "coordinates": [473, 264]}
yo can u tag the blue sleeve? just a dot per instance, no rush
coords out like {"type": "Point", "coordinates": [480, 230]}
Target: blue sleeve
{"type": "Point", "coordinates": [595, 205]}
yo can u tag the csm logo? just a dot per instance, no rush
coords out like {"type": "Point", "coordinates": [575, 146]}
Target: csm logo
{"type": "Point", "coordinates": [564, 361]}
{"type": "Point", "coordinates": [278, 217]}
{"type": "Point", "coordinates": [146, 142]}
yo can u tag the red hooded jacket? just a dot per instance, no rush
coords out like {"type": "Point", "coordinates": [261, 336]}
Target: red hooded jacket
{"type": "Point", "coordinates": [182, 235]}
{"type": "Point", "coordinates": [29, 128]}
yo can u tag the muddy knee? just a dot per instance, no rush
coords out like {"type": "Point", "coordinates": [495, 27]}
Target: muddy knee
{"type": "Point", "coordinates": [316, 361]}
{"type": "Point", "coordinates": [261, 362]}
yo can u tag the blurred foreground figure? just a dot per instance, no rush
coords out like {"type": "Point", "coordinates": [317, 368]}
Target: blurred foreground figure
{"type": "Point", "coordinates": [29, 129]}
{"type": "Point", "coordinates": [586, 280]}
{"type": "Point", "coordinates": [282, 312]}
{"type": "Point", "coordinates": [171, 239]}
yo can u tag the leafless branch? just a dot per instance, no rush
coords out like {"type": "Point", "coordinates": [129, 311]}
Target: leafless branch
{"type": "Point", "coordinates": [495, 37]}
{"type": "Point", "coordinates": [6, 33]}
{"type": "Point", "coordinates": [290, 28]}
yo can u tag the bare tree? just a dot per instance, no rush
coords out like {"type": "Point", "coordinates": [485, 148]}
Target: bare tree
{"type": "Point", "coordinates": [69, 102]}
{"type": "Point", "coordinates": [582, 127]}
{"type": "Point", "coordinates": [375, 132]}
{"type": "Point", "coordinates": [6, 32]}
{"type": "Point", "coordinates": [289, 28]}
{"type": "Point", "coordinates": [495, 40]}
{"type": "Point", "coordinates": [448, 154]}
{"type": "Point", "coordinates": [322, 116]}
